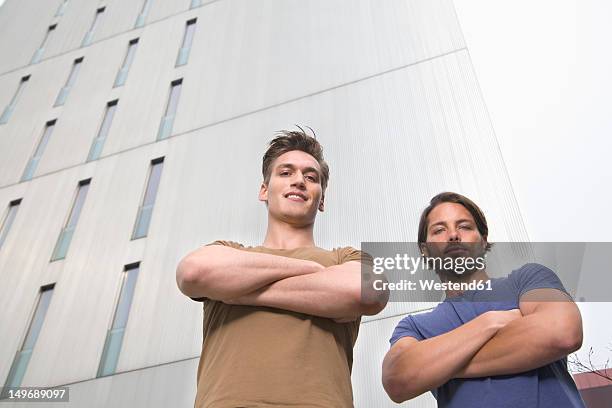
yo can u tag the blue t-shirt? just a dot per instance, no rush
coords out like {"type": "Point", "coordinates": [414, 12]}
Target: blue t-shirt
{"type": "Point", "coordinates": [550, 386]}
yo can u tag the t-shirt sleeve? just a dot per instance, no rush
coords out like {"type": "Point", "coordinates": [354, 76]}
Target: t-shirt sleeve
{"type": "Point", "coordinates": [231, 244]}
{"type": "Point", "coordinates": [348, 254]}
{"type": "Point", "coordinates": [535, 276]}
{"type": "Point", "coordinates": [405, 328]}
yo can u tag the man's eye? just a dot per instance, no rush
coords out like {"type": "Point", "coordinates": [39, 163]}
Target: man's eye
{"type": "Point", "coordinates": [437, 231]}
{"type": "Point", "coordinates": [284, 173]}
{"type": "Point", "coordinates": [465, 226]}
{"type": "Point", "coordinates": [311, 178]}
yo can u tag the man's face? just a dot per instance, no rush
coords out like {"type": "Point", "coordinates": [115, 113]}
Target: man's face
{"type": "Point", "coordinates": [452, 233]}
{"type": "Point", "coordinates": [294, 192]}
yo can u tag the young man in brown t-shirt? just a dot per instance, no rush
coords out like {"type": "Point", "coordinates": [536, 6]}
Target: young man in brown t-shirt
{"type": "Point", "coordinates": [280, 319]}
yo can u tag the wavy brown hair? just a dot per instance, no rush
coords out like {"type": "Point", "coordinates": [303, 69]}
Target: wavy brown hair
{"type": "Point", "coordinates": [289, 140]}
{"type": "Point", "coordinates": [450, 197]}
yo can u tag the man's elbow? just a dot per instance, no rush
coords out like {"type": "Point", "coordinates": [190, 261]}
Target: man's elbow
{"type": "Point", "coordinates": [190, 277]}
{"type": "Point", "coordinates": [394, 390]}
{"type": "Point", "coordinates": [569, 339]}
{"type": "Point", "coordinates": [372, 301]}
{"type": "Point", "coordinates": [371, 307]}
{"type": "Point", "coordinates": [398, 388]}
{"type": "Point", "coordinates": [400, 381]}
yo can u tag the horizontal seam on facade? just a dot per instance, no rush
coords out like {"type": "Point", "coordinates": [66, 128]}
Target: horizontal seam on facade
{"type": "Point", "coordinates": [196, 357]}
{"type": "Point", "coordinates": [106, 38]}
{"type": "Point", "coordinates": [397, 314]}
{"type": "Point", "coordinates": [123, 372]}
{"type": "Point", "coordinates": [242, 115]}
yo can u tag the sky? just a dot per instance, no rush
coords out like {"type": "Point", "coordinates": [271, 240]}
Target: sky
{"type": "Point", "coordinates": [544, 71]}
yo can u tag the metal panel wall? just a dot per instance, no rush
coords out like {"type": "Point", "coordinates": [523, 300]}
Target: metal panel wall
{"type": "Point", "coordinates": [274, 58]}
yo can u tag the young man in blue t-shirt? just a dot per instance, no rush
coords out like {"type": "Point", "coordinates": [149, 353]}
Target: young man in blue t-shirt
{"type": "Point", "coordinates": [504, 347]}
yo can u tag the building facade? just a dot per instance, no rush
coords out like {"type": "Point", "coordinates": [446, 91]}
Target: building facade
{"type": "Point", "coordinates": [132, 132]}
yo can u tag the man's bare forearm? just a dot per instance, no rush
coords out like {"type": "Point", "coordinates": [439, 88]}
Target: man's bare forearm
{"type": "Point", "coordinates": [221, 273]}
{"type": "Point", "coordinates": [334, 292]}
{"type": "Point", "coordinates": [528, 343]}
{"type": "Point", "coordinates": [414, 367]}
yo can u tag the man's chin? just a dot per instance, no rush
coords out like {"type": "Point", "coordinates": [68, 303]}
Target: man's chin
{"type": "Point", "coordinates": [298, 219]}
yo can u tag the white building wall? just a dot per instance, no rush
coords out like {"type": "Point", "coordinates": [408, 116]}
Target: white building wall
{"type": "Point", "coordinates": [388, 87]}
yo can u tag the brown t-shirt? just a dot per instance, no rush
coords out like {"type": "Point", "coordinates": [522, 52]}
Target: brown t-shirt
{"type": "Point", "coordinates": [264, 357]}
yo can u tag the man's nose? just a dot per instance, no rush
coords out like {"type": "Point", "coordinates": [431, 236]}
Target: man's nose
{"type": "Point", "coordinates": [453, 236]}
{"type": "Point", "coordinates": [298, 181]}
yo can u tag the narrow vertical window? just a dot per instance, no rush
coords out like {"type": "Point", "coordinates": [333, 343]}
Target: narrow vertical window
{"type": "Point", "coordinates": [195, 3]}
{"type": "Point", "coordinates": [39, 52]}
{"type": "Point", "coordinates": [74, 72]}
{"type": "Point", "coordinates": [183, 54]}
{"type": "Point", "coordinates": [114, 336]}
{"type": "Point", "coordinates": [146, 5]}
{"type": "Point", "coordinates": [8, 111]}
{"type": "Point", "coordinates": [165, 128]}
{"type": "Point", "coordinates": [22, 358]}
{"type": "Point", "coordinates": [63, 241]}
{"type": "Point", "coordinates": [38, 152]}
{"type": "Point", "coordinates": [98, 143]}
{"type": "Point", "coordinates": [89, 35]}
{"type": "Point", "coordinates": [127, 62]}
{"type": "Point", "coordinates": [6, 224]}
{"type": "Point", "coordinates": [143, 219]}
{"type": "Point", "coordinates": [61, 8]}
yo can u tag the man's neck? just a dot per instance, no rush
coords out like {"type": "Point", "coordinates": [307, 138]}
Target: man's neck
{"type": "Point", "coordinates": [477, 276]}
{"type": "Point", "coordinates": [281, 235]}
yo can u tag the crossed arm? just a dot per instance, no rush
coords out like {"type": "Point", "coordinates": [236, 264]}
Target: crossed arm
{"type": "Point", "coordinates": [547, 327]}
{"type": "Point", "coordinates": [238, 277]}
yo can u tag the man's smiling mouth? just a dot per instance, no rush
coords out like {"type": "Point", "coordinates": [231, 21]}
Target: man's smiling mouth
{"type": "Point", "coordinates": [295, 196]}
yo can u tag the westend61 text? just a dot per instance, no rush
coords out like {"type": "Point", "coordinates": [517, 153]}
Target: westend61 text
{"type": "Point", "coordinates": [431, 285]}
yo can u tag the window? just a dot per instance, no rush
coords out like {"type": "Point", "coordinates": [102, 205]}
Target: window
{"type": "Point", "coordinates": [127, 62]}
{"type": "Point", "coordinates": [22, 358]}
{"type": "Point", "coordinates": [114, 336]}
{"type": "Point", "coordinates": [63, 93]}
{"type": "Point", "coordinates": [42, 143]}
{"type": "Point", "coordinates": [195, 3]}
{"type": "Point", "coordinates": [183, 54]}
{"type": "Point", "coordinates": [89, 35]}
{"type": "Point", "coordinates": [143, 219]}
{"type": "Point", "coordinates": [61, 8]}
{"type": "Point", "coordinates": [143, 13]}
{"type": "Point", "coordinates": [165, 128]}
{"type": "Point", "coordinates": [98, 143]}
{"type": "Point", "coordinates": [8, 111]}
{"type": "Point", "coordinates": [5, 226]}
{"type": "Point", "coordinates": [39, 52]}
{"type": "Point", "coordinates": [63, 241]}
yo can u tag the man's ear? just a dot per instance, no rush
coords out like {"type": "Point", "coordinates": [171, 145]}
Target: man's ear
{"type": "Point", "coordinates": [423, 249]}
{"type": "Point", "coordinates": [322, 203]}
{"type": "Point", "coordinates": [263, 192]}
